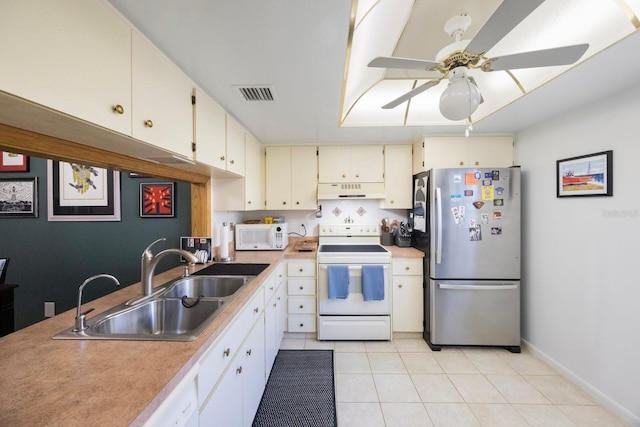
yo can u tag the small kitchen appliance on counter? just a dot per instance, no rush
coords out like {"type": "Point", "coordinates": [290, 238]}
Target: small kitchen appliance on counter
{"type": "Point", "coordinates": [261, 237]}
{"type": "Point", "coordinates": [351, 261]}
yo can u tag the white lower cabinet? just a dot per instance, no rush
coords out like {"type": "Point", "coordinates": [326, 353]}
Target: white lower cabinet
{"type": "Point", "coordinates": [301, 301]}
{"type": "Point", "coordinates": [233, 373]}
{"type": "Point", "coordinates": [408, 295]}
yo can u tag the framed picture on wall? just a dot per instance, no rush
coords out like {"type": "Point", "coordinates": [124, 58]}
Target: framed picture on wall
{"type": "Point", "coordinates": [588, 175]}
{"type": "Point", "coordinates": [80, 192]}
{"type": "Point", "coordinates": [19, 197]}
{"type": "Point", "coordinates": [13, 162]}
{"type": "Point", "coordinates": [157, 199]}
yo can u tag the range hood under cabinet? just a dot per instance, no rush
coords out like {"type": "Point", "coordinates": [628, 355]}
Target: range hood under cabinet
{"type": "Point", "coordinates": [351, 190]}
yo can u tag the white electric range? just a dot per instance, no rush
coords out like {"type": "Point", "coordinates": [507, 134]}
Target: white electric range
{"type": "Point", "coordinates": [353, 317]}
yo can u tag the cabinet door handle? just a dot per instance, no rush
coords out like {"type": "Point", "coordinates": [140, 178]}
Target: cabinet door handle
{"type": "Point", "coordinates": [297, 203]}
{"type": "Point", "coordinates": [301, 270]}
{"type": "Point", "coordinates": [232, 162]}
{"type": "Point", "coordinates": [477, 163]}
{"type": "Point", "coordinates": [400, 285]}
{"type": "Point", "coordinates": [248, 202]}
{"type": "Point", "coordinates": [357, 175]}
{"type": "Point", "coordinates": [344, 175]}
{"type": "Point", "coordinates": [148, 123]}
{"type": "Point", "coordinates": [407, 268]}
{"type": "Point", "coordinates": [271, 288]}
{"type": "Point", "coordinates": [391, 201]}
{"type": "Point", "coordinates": [249, 352]}
{"type": "Point", "coordinates": [461, 163]}
{"type": "Point", "coordinates": [226, 352]}
{"type": "Point", "coordinates": [239, 370]}
{"type": "Point", "coordinates": [255, 310]}
{"type": "Point", "coordinates": [274, 304]}
{"type": "Point", "coordinates": [118, 109]}
{"type": "Point", "coordinates": [222, 158]}
{"type": "Point", "coordinates": [284, 203]}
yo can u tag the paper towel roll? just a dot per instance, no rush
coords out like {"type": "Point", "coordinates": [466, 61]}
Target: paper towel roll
{"type": "Point", "coordinates": [224, 241]}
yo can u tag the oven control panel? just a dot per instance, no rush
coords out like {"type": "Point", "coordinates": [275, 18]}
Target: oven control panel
{"type": "Point", "coordinates": [349, 230]}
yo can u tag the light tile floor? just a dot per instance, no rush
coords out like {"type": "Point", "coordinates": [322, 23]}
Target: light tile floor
{"type": "Point", "coordinates": [403, 383]}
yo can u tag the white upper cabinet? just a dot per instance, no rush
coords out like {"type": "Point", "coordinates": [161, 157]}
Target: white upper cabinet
{"type": "Point", "coordinates": [74, 57]}
{"type": "Point", "coordinates": [254, 174]}
{"type": "Point", "coordinates": [235, 146]}
{"type": "Point", "coordinates": [161, 96]}
{"type": "Point", "coordinates": [461, 152]}
{"type": "Point", "coordinates": [291, 177]}
{"type": "Point", "coordinates": [352, 163]}
{"type": "Point", "coordinates": [211, 135]}
{"type": "Point", "coordinates": [397, 176]}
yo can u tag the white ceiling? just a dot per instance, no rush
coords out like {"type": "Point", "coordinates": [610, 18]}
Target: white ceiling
{"type": "Point", "coordinates": [299, 47]}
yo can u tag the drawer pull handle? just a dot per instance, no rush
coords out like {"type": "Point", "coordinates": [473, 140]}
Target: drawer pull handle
{"type": "Point", "coordinates": [301, 306]}
{"type": "Point", "coordinates": [302, 325]}
{"type": "Point", "coordinates": [226, 352]}
{"type": "Point", "coordinates": [301, 288]}
{"type": "Point", "coordinates": [249, 352]}
{"type": "Point", "coordinates": [400, 285]}
{"type": "Point", "coordinates": [118, 109]}
{"type": "Point", "coordinates": [148, 123]}
{"type": "Point", "coordinates": [301, 270]}
{"type": "Point", "coordinates": [239, 370]}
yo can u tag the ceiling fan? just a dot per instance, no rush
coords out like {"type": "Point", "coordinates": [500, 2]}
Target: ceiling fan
{"type": "Point", "coordinates": [462, 96]}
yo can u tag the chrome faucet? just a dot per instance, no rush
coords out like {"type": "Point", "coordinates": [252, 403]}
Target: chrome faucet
{"type": "Point", "coordinates": [149, 262]}
{"type": "Point", "coordinates": [81, 318]}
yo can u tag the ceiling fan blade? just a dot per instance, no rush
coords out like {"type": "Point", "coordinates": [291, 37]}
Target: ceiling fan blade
{"type": "Point", "coordinates": [540, 58]}
{"type": "Point", "coordinates": [413, 92]}
{"type": "Point", "coordinates": [506, 17]}
{"type": "Point", "coordinates": [402, 63]}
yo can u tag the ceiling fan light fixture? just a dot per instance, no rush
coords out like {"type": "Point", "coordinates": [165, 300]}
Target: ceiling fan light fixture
{"type": "Point", "coordinates": [461, 98]}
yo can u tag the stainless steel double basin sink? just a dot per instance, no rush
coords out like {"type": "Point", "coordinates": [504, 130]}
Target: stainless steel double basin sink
{"type": "Point", "coordinates": [180, 312]}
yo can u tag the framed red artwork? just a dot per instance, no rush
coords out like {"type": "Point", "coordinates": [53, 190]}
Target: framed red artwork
{"type": "Point", "coordinates": [157, 199]}
{"type": "Point", "coordinates": [13, 162]}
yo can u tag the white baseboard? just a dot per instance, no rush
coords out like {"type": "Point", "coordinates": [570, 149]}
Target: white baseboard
{"type": "Point", "coordinates": [622, 412]}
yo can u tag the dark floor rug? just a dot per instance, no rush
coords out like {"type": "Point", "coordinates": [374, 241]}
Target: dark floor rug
{"type": "Point", "coordinates": [300, 391]}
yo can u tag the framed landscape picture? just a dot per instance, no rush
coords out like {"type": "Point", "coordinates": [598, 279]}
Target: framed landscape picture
{"type": "Point", "coordinates": [157, 199]}
{"type": "Point", "coordinates": [588, 175]}
{"type": "Point", "coordinates": [19, 197]}
{"type": "Point", "coordinates": [80, 192]}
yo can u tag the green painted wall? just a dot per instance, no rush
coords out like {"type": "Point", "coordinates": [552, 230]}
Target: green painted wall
{"type": "Point", "coordinates": [50, 260]}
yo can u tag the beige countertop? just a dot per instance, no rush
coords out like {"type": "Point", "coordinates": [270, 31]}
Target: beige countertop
{"type": "Point", "coordinates": [46, 382]}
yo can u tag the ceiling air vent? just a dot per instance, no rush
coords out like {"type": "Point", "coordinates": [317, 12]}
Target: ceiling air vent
{"type": "Point", "coordinates": [257, 93]}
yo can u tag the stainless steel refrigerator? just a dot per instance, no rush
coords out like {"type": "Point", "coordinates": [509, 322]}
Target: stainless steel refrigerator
{"type": "Point", "coordinates": [467, 221]}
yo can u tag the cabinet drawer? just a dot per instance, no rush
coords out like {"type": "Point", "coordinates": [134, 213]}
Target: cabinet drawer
{"type": "Point", "coordinates": [301, 269]}
{"type": "Point", "coordinates": [407, 266]}
{"type": "Point", "coordinates": [301, 323]}
{"type": "Point", "coordinates": [302, 287]}
{"type": "Point", "coordinates": [301, 305]}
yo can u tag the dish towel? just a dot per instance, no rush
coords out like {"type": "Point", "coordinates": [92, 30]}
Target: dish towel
{"type": "Point", "coordinates": [373, 282]}
{"type": "Point", "coordinates": [338, 281]}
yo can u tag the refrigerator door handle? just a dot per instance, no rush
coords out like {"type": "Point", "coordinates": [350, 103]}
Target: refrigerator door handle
{"type": "Point", "coordinates": [439, 226]}
{"type": "Point", "coordinates": [478, 287]}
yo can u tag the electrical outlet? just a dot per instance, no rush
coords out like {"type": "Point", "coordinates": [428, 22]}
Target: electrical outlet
{"type": "Point", "coordinates": [49, 309]}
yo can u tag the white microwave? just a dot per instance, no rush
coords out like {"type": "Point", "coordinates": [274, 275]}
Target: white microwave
{"type": "Point", "coordinates": [261, 237]}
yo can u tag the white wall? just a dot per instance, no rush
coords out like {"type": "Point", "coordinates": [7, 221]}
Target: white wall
{"type": "Point", "coordinates": [581, 290]}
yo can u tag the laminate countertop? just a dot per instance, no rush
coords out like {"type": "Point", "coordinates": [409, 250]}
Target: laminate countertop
{"type": "Point", "coordinates": [46, 382]}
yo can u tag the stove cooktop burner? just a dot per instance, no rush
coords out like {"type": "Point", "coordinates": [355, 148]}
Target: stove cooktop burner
{"type": "Point", "coordinates": [352, 248]}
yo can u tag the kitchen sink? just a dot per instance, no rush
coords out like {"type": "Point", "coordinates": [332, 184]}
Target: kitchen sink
{"type": "Point", "coordinates": [181, 313]}
{"type": "Point", "coordinates": [159, 317]}
{"type": "Point", "coordinates": [207, 286]}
